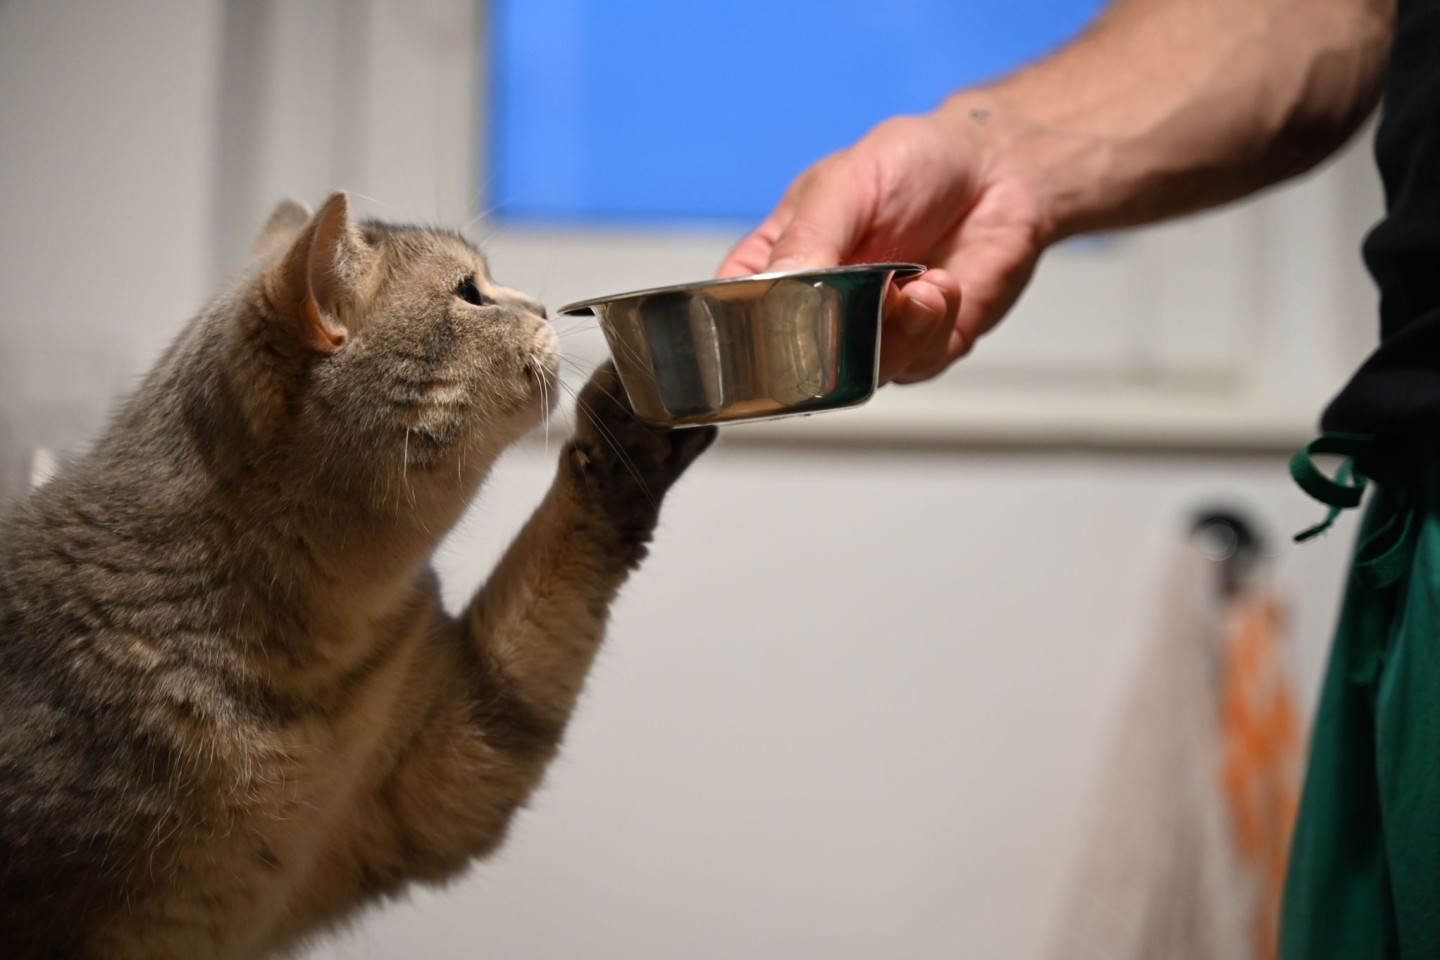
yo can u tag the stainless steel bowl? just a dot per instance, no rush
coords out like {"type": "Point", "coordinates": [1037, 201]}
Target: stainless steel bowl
{"type": "Point", "coordinates": [748, 348]}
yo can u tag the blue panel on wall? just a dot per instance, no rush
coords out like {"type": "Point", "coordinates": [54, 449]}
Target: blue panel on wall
{"type": "Point", "coordinates": [647, 110]}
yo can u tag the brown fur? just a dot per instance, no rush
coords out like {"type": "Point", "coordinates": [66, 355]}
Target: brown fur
{"type": "Point", "coordinates": [232, 708]}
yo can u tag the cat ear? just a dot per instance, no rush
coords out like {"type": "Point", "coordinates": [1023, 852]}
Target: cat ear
{"type": "Point", "coordinates": [322, 274]}
{"type": "Point", "coordinates": [285, 222]}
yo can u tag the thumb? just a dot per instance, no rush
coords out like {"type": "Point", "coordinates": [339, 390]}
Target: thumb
{"type": "Point", "coordinates": [822, 229]}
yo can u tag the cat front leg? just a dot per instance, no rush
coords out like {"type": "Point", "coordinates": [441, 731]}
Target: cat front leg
{"type": "Point", "coordinates": [539, 619]}
{"type": "Point", "coordinates": [528, 638]}
{"type": "Point", "coordinates": [491, 705]}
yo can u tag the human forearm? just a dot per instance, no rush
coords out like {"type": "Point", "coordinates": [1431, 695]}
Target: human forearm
{"type": "Point", "coordinates": [1162, 107]}
{"type": "Point", "coordinates": [1169, 106]}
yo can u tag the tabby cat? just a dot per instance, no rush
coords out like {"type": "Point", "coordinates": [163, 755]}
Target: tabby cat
{"type": "Point", "coordinates": [232, 709]}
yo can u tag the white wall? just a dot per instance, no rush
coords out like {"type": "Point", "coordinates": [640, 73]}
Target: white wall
{"type": "Point", "coordinates": [854, 703]}
{"type": "Point", "coordinates": [107, 187]}
{"type": "Point", "coordinates": [853, 707]}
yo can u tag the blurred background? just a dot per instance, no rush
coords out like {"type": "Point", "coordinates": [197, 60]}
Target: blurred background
{"type": "Point", "coordinates": [867, 694]}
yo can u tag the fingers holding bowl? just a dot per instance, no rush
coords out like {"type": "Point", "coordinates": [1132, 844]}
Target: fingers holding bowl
{"type": "Point", "coordinates": [918, 326]}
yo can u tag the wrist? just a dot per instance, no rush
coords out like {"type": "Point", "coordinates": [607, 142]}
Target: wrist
{"type": "Point", "coordinates": [982, 124]}
{"type": "Point", "coordinates": [1064, 165]}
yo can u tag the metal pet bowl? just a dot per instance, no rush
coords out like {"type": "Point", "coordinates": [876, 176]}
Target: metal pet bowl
{"type": "Point", "coordinates": [748, 348]}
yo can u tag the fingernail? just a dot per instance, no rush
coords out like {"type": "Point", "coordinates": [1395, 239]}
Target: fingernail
{"type": "Point", "coordinates": [783, 264]}
{"type": "Point", "coordinates": [917, 318]}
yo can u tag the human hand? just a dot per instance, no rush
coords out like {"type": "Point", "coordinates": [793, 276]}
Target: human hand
{"type": "Point", "coordinates": [933, 189]}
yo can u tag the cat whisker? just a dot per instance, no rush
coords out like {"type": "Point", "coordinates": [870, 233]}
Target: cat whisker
{"type": "Point", "coordinates": [573, 329]}
{"type": "Point", "coordinates": [587, 364]}
{"type": "Point", "coordinates": [640, 364]}
{"type": "Point", "coordinates": [620, 400]}
{"type": "Point", "coordinates": [479, 239]}
{"type": "Point", "coordinates": [480, 212]}
{"type": "Point", "coordinates": [582, 367]}
{"type": "Point", "coordinates": [543, 378]}
{"type": "Point", "coordinates": [484, 237]}
{"type": "Point", "coordinates": [373, 200]}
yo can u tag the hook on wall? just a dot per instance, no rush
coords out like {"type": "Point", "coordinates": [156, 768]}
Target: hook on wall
{"type": "Point", "coordinates": [1232, 541]}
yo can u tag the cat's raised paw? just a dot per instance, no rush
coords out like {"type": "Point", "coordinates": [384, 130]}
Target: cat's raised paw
{"type": "Point", "coordinates": [618, 457]}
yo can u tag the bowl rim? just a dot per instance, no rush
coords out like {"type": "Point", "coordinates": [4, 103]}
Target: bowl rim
{"type": "Point", "coordinates": [895, 269]}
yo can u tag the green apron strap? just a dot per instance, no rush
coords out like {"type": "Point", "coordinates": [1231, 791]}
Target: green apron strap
{"type": "Point", "coordinates": [1383, 556]}
{"type": "Point", "coordinates": [1341, 493]}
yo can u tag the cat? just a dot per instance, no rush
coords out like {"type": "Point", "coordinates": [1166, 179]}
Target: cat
{"type": "Point", "coordinates": [232, 709]}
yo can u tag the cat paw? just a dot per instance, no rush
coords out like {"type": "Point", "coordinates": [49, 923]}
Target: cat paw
{"type": "Point", "coordinates": [619, 460]}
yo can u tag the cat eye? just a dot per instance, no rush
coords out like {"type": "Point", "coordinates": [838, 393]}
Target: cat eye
{"type": "Point", "coordinates": [471, 294]}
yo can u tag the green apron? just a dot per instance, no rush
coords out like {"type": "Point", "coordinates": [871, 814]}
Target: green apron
{"type": "Point", "coordinates": [1364, 872]}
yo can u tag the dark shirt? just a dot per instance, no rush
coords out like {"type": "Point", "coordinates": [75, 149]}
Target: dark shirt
{"type": "Point", "coordinates": [1397, 390]}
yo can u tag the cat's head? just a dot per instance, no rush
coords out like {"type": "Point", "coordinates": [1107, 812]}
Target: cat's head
{"type": "Point", "coordinates": [380, 361]}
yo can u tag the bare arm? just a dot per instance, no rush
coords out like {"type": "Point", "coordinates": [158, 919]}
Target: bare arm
{"type": "Point", "coordinates": [1161, 107]}
{"type": "Point", "coordinates": [1169, 106]}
